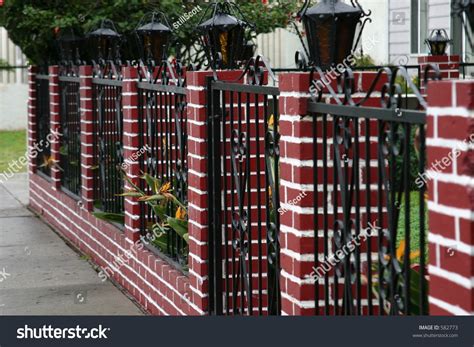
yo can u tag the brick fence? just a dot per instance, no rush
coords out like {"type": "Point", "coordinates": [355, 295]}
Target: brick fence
{"type": "Point", "coordinates": [162, 289]}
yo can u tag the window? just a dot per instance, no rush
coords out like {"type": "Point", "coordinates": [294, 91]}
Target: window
{"type": "Point", "coordinates": [419, 26]}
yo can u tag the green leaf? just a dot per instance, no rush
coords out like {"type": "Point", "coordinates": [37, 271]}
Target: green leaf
{"type": "Point", "coordinates": [152, 182]}
{"type": "Point", "coordinates": [160, 211]}
{"type": "Point", "coordinates": [131, 194]}
{"type": "Point", "coordinates": [161, 242]}
{"type": "Point", "coordinates": [110, 217]}
{"type": "Point", "coordinates": [179, 226]}
{"type": "Point", "coordinates": [153, 198]}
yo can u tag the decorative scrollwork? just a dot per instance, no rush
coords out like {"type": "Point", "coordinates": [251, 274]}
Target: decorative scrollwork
{"type": "Point", "coordinates": [240, 218]}
{"type": "Point", "coordinates": [255, 71]}
{"type": "Point", "coordinates": [167, 73]}
{"type": "Point", "coordinates": [391, 90]}
{"type": "Point", "coordinates": [70, 68]}
{"type": "Point", "coordinates": [343, 228]}
{"type": "Point", "coordinates": [107, 69]}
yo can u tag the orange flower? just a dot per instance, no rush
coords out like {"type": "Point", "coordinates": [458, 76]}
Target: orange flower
{"type": "Point", "coordinates": [48, 162]}
{"type": "Point", "coordinates": [271, 121]}
{"type": "Point", "coordinates": [165, 190]}
{"type": "Point", "coordinates": [180, 213]}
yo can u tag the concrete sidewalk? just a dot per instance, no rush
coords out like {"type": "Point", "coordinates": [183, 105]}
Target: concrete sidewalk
{"type": "Point", "coordinates": [40, 274]}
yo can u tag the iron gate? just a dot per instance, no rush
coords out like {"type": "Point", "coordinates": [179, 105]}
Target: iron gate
{"type": "Point", "coordinates": [244, 197]}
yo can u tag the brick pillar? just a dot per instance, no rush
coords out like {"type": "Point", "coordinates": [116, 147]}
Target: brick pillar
{"type": "Point", "coordinates": [131, 145]}
{"type": "Point", "coordinates": [450, 168]}
{"type": "Point", "coordinates": [54, 102]}
{"type": "Point", "coordinates": [197, 188]}
{"type": "Point", "coordinates": [297, 252]}
{"type": "Point", "coordinates": [32, 118]}
{"type": "Point", "coordinates": [298, 176]}
{"type": "Point", "coordinates": [87, 137]}
{"type": "Point", "coordinates": [448, 65]}
{"type": "Point", "coordinates": [197, 184]}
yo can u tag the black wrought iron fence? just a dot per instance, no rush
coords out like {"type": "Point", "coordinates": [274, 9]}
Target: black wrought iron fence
{"type": "Point", "coordinates": [244, 197]}
{"type": "Point", "coordinates": [44, 160]}
{"type": "Point", "coordinates": [108, 120]}
{"type": "Point", "coordinates": [163, 152]}
{"type": "Point", "coordinates": [70, 150]}
{"type": "Point", "coordinates": [369, 203]}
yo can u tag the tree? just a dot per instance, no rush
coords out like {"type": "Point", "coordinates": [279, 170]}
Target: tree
{"type": "Point", "coordinates": [34, 25]}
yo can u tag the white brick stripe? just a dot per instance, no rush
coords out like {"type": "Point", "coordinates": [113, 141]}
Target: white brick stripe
{"type": "Point", "coordinates": [196, 173]}
{"type": "Point", "coordinates": [448, 111]}
{"type": "Point", "coordinates": [196, 88]}
{"type": "Point", "coordinates": [456, 310]}
{"type": "Point", "coordinates": [301, 304]}
{"type": "Point", "coordinates": [191, 105]}
{"type": "Point", "coordinates": [465, 282]}
{"type": "Point", "coordinates": [452, 178]}
{"type": "Point", "coordinates": [196, 258]}
{"type": "Point", "coordinates": [451, 211]}
{"type": "Point", "coordinates": [449, 243]}
{"type": "Point", "coordinates": [298, 95]}
{"type": "Point", "coordinates": [298, 256]}
{"type": "Point", "coordinates": [451, 144]}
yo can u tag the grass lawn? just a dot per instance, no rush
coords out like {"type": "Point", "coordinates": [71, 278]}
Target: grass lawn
{"type": "Point", "coordinates": [414, 224]}
{"type": "Point", "coordinates": [12, 147]}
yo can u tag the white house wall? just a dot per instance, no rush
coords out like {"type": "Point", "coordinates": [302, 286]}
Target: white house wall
{"type": "Point", "coordinates": [375, 35]}
{"type": "Point", "coordinates": [399, 31]}
{"type": "Point", "coordinates": [13, 86]}
{"type": "Point", "coordinates": [439, 15]}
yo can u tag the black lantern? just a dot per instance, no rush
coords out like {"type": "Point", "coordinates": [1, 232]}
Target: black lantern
{"type": "Point", "coordinates": [438, 42]}
{"type": "Point", "coordinates": [69, 46]}
{"type": "Point", "coordinates": [106, 39]}
{"type": "Point", "coordinates": [224, 35]}
{"type": "Point", "coordinates": [154, 36]}
{"type": "Point", "coordinates": [330, 27]}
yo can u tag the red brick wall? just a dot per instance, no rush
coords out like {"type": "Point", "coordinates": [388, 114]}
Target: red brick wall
{"type": "Point", "coordinates": [157, 286]}
{"type": "Point", "coordinates": [450, 168]}
{"type": "Point", "coordinates": [448, 66]}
